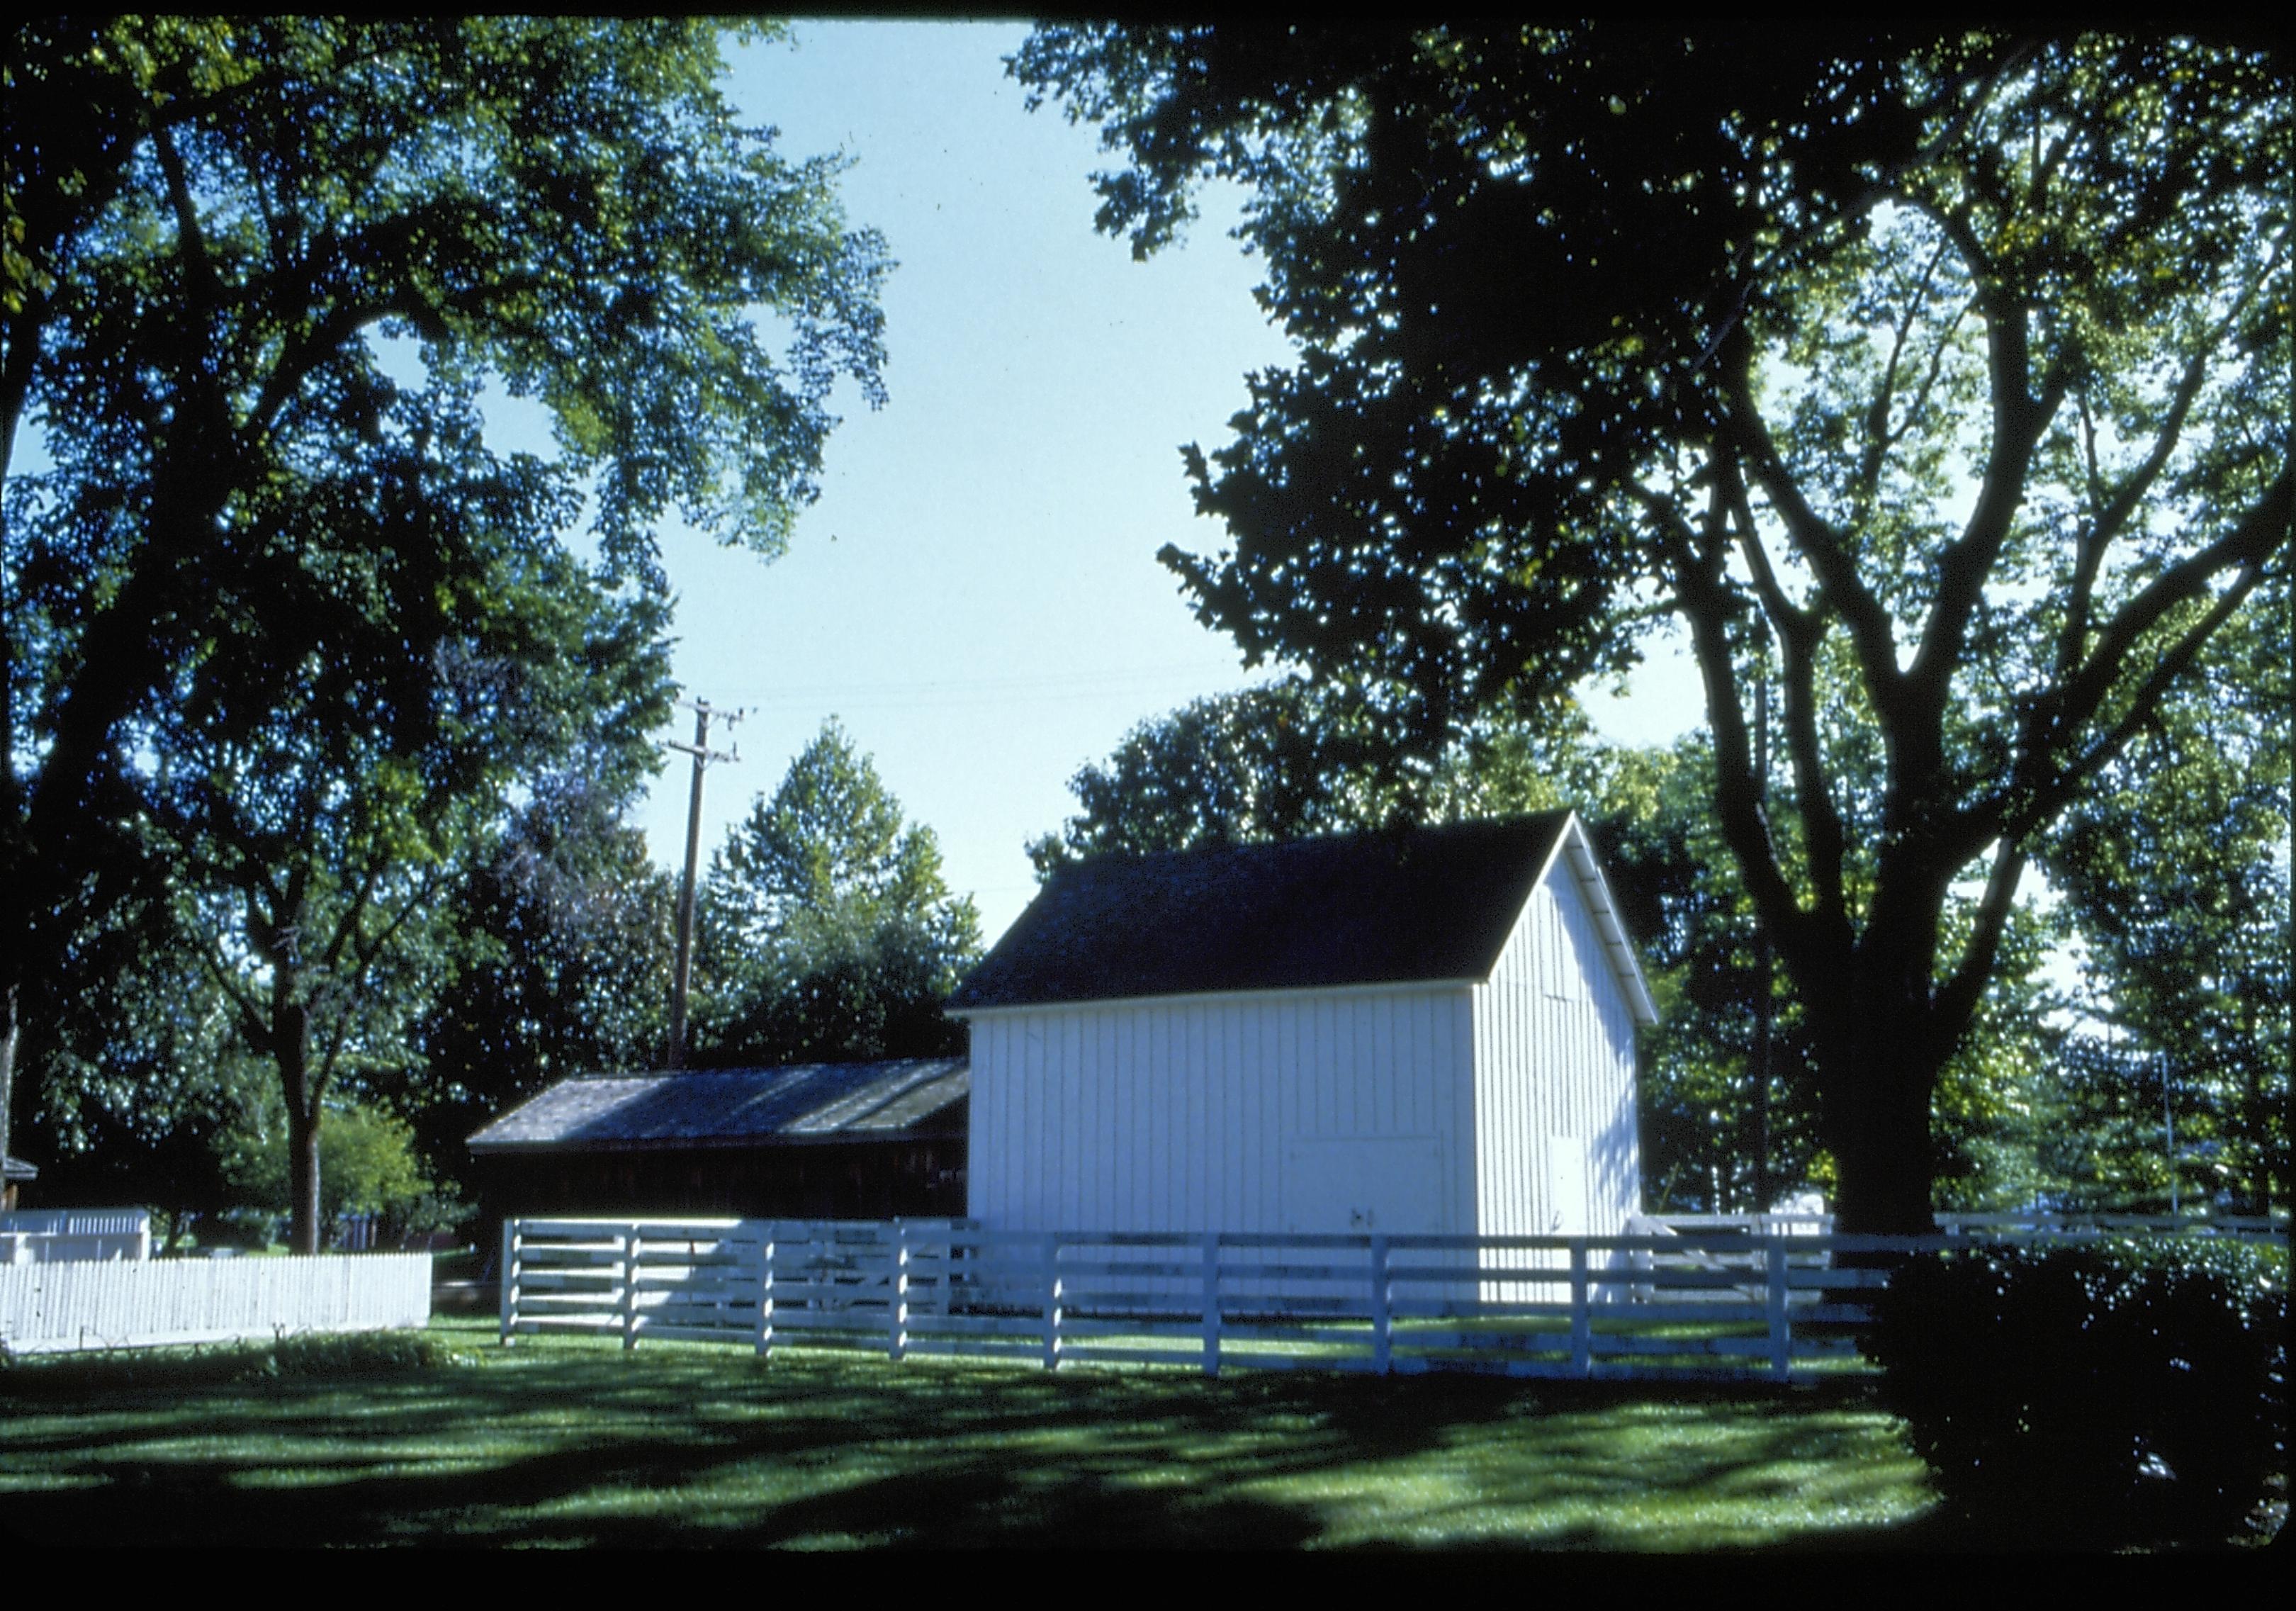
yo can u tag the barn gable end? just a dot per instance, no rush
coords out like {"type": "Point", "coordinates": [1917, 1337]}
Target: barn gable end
{"type": "Point", "coordinates": [1555, 1137]}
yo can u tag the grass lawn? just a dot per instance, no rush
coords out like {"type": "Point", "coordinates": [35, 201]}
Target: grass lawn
{"type": "Point", "coordinates": [574, 1442]}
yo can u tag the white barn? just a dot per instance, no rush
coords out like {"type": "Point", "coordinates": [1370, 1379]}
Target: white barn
{"type": "Point", "coordinates": [1424, 1031]}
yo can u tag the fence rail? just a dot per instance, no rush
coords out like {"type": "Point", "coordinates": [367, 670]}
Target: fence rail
{"type": "Point", "coordinates": [1713, 1296]}
{"type": "Point", "coordinates": [1686, 1301]}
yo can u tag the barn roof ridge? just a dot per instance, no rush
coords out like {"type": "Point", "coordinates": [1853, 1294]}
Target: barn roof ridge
{"type": "Point", "coordinates": [748, 1068]}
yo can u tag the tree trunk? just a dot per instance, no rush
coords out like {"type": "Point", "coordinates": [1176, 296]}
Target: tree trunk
{"type": "Point", "coordinates": [8, 1033]}
{"type": "Point", "coordinates": [303, 1180]}
{"type": "Point", "coordinates": [1876, 1080]}
{"type": "Point", "coordinates": [289, 1046]}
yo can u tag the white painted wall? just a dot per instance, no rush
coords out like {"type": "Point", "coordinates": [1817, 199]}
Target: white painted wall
{"type": "Point", "coordinates": [1188, 1113]}
{"type": "Point", "coordinates": [1556, 1152]}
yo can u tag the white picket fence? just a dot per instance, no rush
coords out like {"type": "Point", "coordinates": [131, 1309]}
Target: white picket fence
{"type": "Point", "coordinates": [128, 1303]}
{"type": "Point", "coordinates": [1715, 1302]}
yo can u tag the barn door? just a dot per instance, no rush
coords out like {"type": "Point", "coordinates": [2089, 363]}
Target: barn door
{"type": "Point", "coordinates": [1566, 1185]}
{"type": "Point", "coordinates": [1362, 1183]}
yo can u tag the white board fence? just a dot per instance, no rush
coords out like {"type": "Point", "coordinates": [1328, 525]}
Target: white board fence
{"type": "Point", "coordinates": [1733, 1298]}
{"type": "Point", "coordinates": [1716, 1303]}
{"type": "Point", "coordinates": [132, 1304]}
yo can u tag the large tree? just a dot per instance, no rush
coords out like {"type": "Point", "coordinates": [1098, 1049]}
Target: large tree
{"type": "Point", "coordinates": [562, 946]}
{"type": "Point", "coordinates": [229, 245]}
{"type": "Point", "coordinates": [828, 934]}
{"type": "Point", "coordinates": [315, 788]}
{"type": "Point", "coordinates": [1953, 373]}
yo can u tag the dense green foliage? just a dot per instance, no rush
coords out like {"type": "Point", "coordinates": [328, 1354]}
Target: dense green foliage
{"type": "Point", "coordinates": [143, 1075]}
{"type": "Point", "coordinates": [1942, 381]}
{"type": "Point", "coordinates": [2102, 1392]}
{"type": "Point", "coordinates": [560, 966]}
{"type": "Point", "coordinates": [827, 933]}
{"type": "Point", "coordinates": [2175, 875]}
{"type": "Point", "coordinates": [367, 1165]}
{"type": "Point", "coordinates": [1286, 760]}
{"type": "Point", "coordinates": [283, 629]}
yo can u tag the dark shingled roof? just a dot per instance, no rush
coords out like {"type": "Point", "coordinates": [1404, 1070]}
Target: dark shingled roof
{"type": "Point", "coordinates": [733, 1107]}
{"type": "Point", "coordinates": [1371, 909]}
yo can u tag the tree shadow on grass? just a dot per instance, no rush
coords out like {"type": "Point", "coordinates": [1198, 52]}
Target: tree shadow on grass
{"type": "Point", "coordinates": [703, 1448]}
{"type": "Point", "coordinates": [579, 1496]}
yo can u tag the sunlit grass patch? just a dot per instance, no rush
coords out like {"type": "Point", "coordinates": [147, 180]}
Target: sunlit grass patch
{"type": "Point", "coordinates": [574, 1441]}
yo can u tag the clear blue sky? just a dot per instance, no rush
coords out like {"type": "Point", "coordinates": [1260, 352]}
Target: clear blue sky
{"type": "Point", "coordinates": [976, 595]}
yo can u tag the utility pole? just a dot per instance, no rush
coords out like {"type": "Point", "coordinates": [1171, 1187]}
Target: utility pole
{"type": "Point", "coordinates": [1763, 968]}
{"type": "Point", "coordinates": [702, 756]}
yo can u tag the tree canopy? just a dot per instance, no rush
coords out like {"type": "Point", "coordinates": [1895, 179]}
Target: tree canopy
{"type": "Point", "coordinates": [1287, 759]}
{"type": "Point", "coordinates": [2175, 873]}
{"type": "Point", "coordinates": [282, 623]}
{"type": "Point", "coordinates": [562, 935]}
{"type": "Point", "coordinates": [828, 932]}
{"type": "Point", "coordinates": [1949, 377]}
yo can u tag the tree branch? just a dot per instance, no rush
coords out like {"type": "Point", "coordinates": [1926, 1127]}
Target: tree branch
{"type": "Point", "coordinates": [1844, 591]}
{"type": "Point", "coordinates": [1737, 795]}
{"type": "Point", "coordinates": [1955, 1006]}
{"type": "Point", "coordinates": [2042, 803]}
{"type": "Point", "coordinates": [2121, 504]}
{"type": "Point", "coordinates": [198, 265]}
{"type": "Point", "coordinates": [1879, 438]}
{"type": "Point", "coordinates": [2261, 533]}
{"type": "Point", "coordinates": [2019, 419]}
{"type": "Point", "coordinates": [250, 1018]}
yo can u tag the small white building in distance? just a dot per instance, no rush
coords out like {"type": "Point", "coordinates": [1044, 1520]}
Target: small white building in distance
{"type": "Point", "coordinates": [1430, 1031]}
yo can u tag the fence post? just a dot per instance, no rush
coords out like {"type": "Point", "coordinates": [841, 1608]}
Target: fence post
{"type": "Point", "coordinates": [1781, 1329]}
{"type": "Point", "coordinates": [1211, 1303]}
{"type": "Point", "coordinates": [630, 1287]}
{"type": "Point", "coordinates": [1582, 1322]}
{"type": "Point", "coordinates": [507, 1273]}
{"type": "Point", "coordinates": [765, 1252]}
{"type": "Point", "coordinates": [1052, 1301]}
{"type": "Point", "coordinates": [897, 1296]}
{"type": "Point", "coordinates": [1381, 1350]}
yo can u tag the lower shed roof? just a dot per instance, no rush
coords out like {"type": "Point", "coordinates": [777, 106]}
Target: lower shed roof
{"type": "Point", "coordinates": [802, 1102]}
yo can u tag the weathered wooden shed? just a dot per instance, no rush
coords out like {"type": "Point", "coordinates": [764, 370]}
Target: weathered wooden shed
{"type": "Point", "coordinates": [1424, 1031]}
{"type": "Point", "coordinates": [826, 1140]}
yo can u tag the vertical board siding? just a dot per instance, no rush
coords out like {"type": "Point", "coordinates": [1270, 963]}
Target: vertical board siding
{"type": "Point", "coordinates": [131, 1303]}
{"type": "Point", "coordinates": [1554, 1057]}
{"type": "Point", "coordinates": [1201, 1094]}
